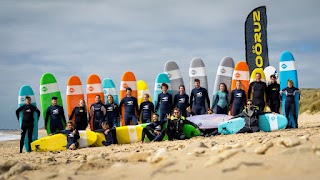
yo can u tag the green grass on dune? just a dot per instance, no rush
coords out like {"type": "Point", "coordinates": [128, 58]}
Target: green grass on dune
{"type": "Point", "coordinates": [310, 100]}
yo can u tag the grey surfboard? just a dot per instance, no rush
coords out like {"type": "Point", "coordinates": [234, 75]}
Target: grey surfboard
{"type": "Point", "coordinates": [172, 69]}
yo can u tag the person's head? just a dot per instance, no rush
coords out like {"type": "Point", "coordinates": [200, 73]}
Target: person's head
{"type": "Point", "coordinates": [164, 87]}
{"type": "Point", "coordinates": [290, 83]}
{"type": "Point", "coordinates": [54, 101]}
{"type": "Point", "coordinates": [155, 117]}
{"type": "Point", "coordinates": [70, 126]}
{"type": "Point", "coordinates": [182, 89]}
{"type": "Point", "coordinates": [176, 112]}
{"type": "Point", "coordinates": [146, 97]}
{"type": "Point", "coordinates": [28, 100]}
{"type": "Point", "coordinates": [128, 91]}
{"type": "Point", "coordinates": [105, 125]}
{"type": "Point", "coordinates": [82, 103]}
{"type": "Point", "coordinates": [98, 98]}
{"type": "Point", "coordinates": [197, 83]}
{"type": "Point", "coordinates": [258, 77]}
{"type": "Point", "coordinates": [110, 98]}
{"type": "Point", "coordinates": [273, 78]}
{"type": "Point", "coordinates": [223, 87]}
{"type": "Point", "coordinates": [238, 84]}
{"type": "Point", "coordinates": [249, 104]}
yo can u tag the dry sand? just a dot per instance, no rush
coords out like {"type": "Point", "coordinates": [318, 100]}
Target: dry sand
{"type": "Point", "coordinates": [286, 154]}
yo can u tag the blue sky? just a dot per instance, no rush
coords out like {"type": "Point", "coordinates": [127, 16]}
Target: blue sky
{"type": "Point", "coordinates": [110, 37]}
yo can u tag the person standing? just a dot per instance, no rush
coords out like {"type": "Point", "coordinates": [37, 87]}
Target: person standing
{"type": "Point", "coordinates": [57, 117]}
{"type": "Point", "coordinates": [273, 91]}
{"type": "Point", "coordinates": [112, 114]}
{"type": "Point", "coordinates": [198, 99]}
{"type": "Point", "coordinates": [181, 101]}
{"type": "Point", "coordinates": [258, 90]}
{"type": "Point", "coordinates": [130, 108]}
{"type": "Point", "coordinates": [221, 99]}
{"type": "Point", "coordinates": [146, 109]}
{"type": "Point", "coordinates": [238, 99]}
{"type": "Point", "coordinates": [290, 104]}
{"type": "Point", "coordinates": [81, 116]}
{"type": "Point", "coordinates": [97, 113]}
{"type": "Point", "coordinates": [164, 102]}
{"type": "Point", "coordinates": [27, 121]}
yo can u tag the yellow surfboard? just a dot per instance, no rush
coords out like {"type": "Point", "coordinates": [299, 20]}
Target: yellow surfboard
{"type": "Point", "coordinates": [59, 141]}
{"type": "Point", "coordinates": [253, 78]}
{"type": "Point", "coordinates": [100, 138]}
{"type": "Point", "coordinates": [129, 134]}
{"type": "Point", "coordinates": [143, 88]}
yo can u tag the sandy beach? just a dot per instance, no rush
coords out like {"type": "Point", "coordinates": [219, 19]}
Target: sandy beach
{"type": "Point", "coordinates": [286, 154]}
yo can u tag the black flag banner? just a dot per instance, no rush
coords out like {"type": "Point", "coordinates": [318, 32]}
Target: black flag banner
{"type": "Point", "coordinates": [256, 39]}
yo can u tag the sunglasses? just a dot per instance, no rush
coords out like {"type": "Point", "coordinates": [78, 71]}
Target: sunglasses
{"type": "Point", "coordinates": [249, 104]}
{"type": "Point", "coordinates": [175, 112]}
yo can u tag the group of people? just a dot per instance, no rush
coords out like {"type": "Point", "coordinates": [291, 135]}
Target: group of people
{"type": "Point", "coordinates": [168, 111]}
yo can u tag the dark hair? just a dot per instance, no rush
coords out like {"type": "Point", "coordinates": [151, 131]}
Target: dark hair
{"type": "Point", "coordinates": [197, 80]}
{"type": "Point", "coordinates": [273, 76]}
{"type": "Point", "coordinates": [225, 88]}
{"type": "Point", "coordinates": [128, 89]}
{"type": "Point", "coordinates": [156, 114]}
{"type": "Point", "coordinates": [176, 109]}
{"type": "Point", "coordinates": [249, 100]}
{"type": "Point", "coordinates": [98, 95]}
{"type": "Point", "coordinates": [54, 98]}
{"type": "Point", "coordinates": [104, 123]}
{"type": "Point", "coordinates": [146, 94]}
{"type": "Point", "coordinates": [258, 73]}
{"type": "Point", "coordinates": [165, 85]}
{"type": "Point", "coordinates": [70, 122]}
{"type": "Point", "coordinates": [182, 86]}
{"type": "Point", "coordinates": [28, 97]}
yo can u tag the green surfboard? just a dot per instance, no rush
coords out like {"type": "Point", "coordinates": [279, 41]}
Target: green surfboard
{"type": "Point", "coordinates": [48, 89]}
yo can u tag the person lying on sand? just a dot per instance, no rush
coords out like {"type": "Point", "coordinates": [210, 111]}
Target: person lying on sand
{"type": "Point", "coordinates": [72, 136]}
{"type": "Point", "coordinates": [107, 133]}
{"type": "Point", "coordinates": [156, 127]}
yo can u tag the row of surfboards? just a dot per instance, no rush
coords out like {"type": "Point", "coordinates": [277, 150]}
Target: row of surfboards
{"type": "Point", "coordinates": [227, 73]}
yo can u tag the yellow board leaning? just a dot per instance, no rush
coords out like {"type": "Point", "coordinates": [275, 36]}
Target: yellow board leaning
{"type": "Point", "coordinates": [129, 134]}
{"type": "Point", "coordinates": [253, 78]}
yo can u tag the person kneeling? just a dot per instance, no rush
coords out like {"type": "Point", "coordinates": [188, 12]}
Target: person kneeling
{"type": "Point", "coordinates": [72, 136]}
{"type": "Point", "coordinates": [175, 125]}
{"type": "Point", "coordinates": [156, 127]}
{"type": "Point", "coordinates": [108, 134]}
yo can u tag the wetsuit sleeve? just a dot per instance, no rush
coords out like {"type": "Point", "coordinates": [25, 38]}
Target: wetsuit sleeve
{"type": "Point", "coordinates": [207, 98]}
{"type": "Point", "coordinates": [47, 116]}
{"type": "Point", "coordinates": [139, 112]}
{"type": "Point", "coordinates": [18, 111]}
{"type": "Point", "coordinates": [191, 99]}
{"type": "Point", "coordinates": [232, 97]}
{"type": "Point", "coordinates": [63, 116]}
{"type": "Point", "coordinates": [175, 101]}
{"type": "Point", "coordinates": [91, 112]}
{"type": "Point", "coordinates": [72, 114]}
{"type": "Point", "coordinates": [266, 92]}
{"type": "Point", "coordinates": [187, 101]}
{"type": "Point", "coordinates": [103, 109]}
{"type": "Point", "coordinates": [120, 105]}
{"type": "Point", "coordinates": [150, 127]}
{"type": "Point", "coordinates": [152, 107]}
{"type": "Point", "coordinates": [38, 112]}
{"type": "Point", "coordinates": [214, 100]}
{"type": "Point", "coordinates": [244, 98]}
{"type": "Point", "coordinates": [157, 105]}
{"type": "Point", "coordinates": [117, 110]}
{"type": "Point", "coordinates": [136, 105]}
{"type": "Point", "coordinates": [170, 100]}
{"type": "Point", "coordinates": [250, 89]}
{"type": "Point", "coordinates": [191, 123]}
{"type": "Point", "coordinates": [60, 132]}
{"type": "Point", "coordinates": [99, 130]}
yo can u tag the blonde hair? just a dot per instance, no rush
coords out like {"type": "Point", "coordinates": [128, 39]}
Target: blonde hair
{"type": "Point", "coordinates": [290, 81]}
{"type": "Point", "coordinates": [84, 104]}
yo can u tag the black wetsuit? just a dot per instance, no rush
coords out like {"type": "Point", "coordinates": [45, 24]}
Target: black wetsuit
{"type": "Point", "coordinates": [81, 119]}
{"type": "Point", "coordinates": [290, 106]}
{"type": "Point", "coordinates": [175, 128]}
{"type": "Point", "coordinates": [112, 115]}
{"type": "Point", "coordinates": [27, 122]}
{"type": "Point", "coordinates": [251, 120]}
{"type": "Point", "coordinates": [71, 138]}
{"type": "Point", "coordinates": [273, 92]}
{"type": "Point", "coordinates": [130, 110]}
{"type": "Point", "coordinates": [198, 99]}
{"type": "Point", "coordinates": [146, 110]}
{"type": "Point", "coordinates": [165, 103]}
{"type": "Point", "coordinates": [181, 101]}
{"type": "Point", "coordinates": [258, 90]}
{"type": "Point", "coordinates": [56, 114]}
{"type": "Point", "coordinates": [238, 98]}
{"type": "Point", "coordinates": [98, 111]}
{"type": "Point", "coordinates": [155, 126]}
{"type": "Point", "coordinates": [110, 136]}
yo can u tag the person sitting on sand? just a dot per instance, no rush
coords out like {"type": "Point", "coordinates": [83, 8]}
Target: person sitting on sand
{"type": "Point", "coordinates": [251, 115]}
{"type": "Point", "coordinates": [72, 136]}
{"type": "Point", "coordinates": [156, 127]}
{"type": "Point", "coordinates": [175, 125]}
{"type": "Point", "coordinates": [108, 134]}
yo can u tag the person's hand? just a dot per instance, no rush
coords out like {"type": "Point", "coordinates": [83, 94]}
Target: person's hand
{"type": "Point", "coordinates": [156, 132]}
{"type": "Point", "coordinates": [74, 132]}
{"type": "Point", "coordinates": [189, 109]}
{"type": "Point", "coordinates": [107, 131]}
{"type": "Point", "coordinates": [274, 113]}
{"type": "Point", "coordinates": [168, 116]}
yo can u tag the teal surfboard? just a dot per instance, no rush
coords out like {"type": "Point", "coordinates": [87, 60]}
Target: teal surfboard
{"type": "Point", "coordinates": [109, 88]}
{"type": "Point", "coordinates": [288, 71]}
{"type": "Point", "coordinates": [161, 78]}
{"type": "Point", "coordinates": [48, 89]}
{"type": "Point", "coordinates": [26, 90]}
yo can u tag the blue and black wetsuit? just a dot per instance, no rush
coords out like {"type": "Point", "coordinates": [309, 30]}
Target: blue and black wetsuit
{"type": "Point", "coordinates": [181, 101]}
{"type": "Point", "coordinates": [290, 106]}
{"type": "Point", "coordinates": [273, 92]}
{"type": "Point", "coordinates": [110, 136]}
{"type": "Point", "coordinates": [258, 90]}
{"type": "Point", "coordinates": [198, 99]}
{"type": "Point", "coordinates": [175, 127]}
{"type": "Point", "coordinates": [130, 110]}
{"type": "Point", "coordinates": [165, 103]}
{"type": "Point", "coordinates": [56, 114]}
{"type": "Point", "coordinates": [238, 101]}
{"type": "Point", "coordinates": [27, 122]}
{"type": "Point", "coordinates": [98, 112]}
{"type": "Point", "coordinates": [71, 138]}
{"type": "Point", "coordinates": [146, 110]}
{"type": "Point", "coordinates": [81, 119]}
{"type": "Point", "coordinates": [221, 99]}
{"type": "Point", "coordinates": [112, 115]}
{"type": "Point", "coordinates": [155, 126]}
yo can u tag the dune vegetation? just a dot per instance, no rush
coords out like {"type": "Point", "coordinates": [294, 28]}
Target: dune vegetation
{"type": "Point", "coordinates": [310, 101]}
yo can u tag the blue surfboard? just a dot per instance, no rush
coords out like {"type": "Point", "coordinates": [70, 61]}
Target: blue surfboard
{"type": "Point", "coordinates": [288, 71]}
{"type": "Point", "coordinates": [161, 78]}
{"type": "Point", "coordinates": [26, 90]}
{"type": "Point", "coordinates": [109, 88]}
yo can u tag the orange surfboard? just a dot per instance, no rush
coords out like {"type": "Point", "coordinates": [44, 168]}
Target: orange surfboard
{"type": "Point", "coordinates": [128, 80]}
{"type": "Point", "coordinates": [74, 93]}
{"type": "Point", "coordinates": [94, 87]}
{"type": "Point", "coordinates": [241, 72]}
